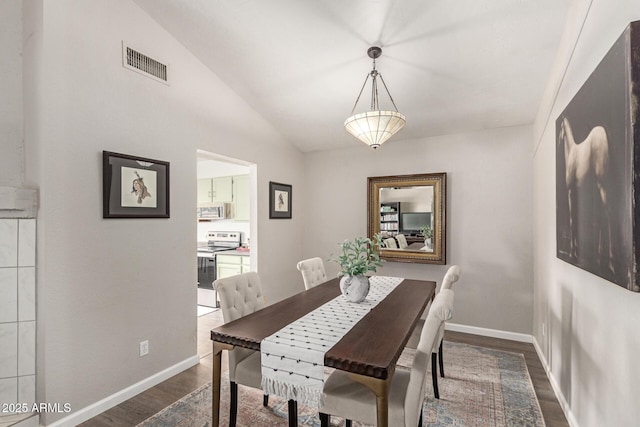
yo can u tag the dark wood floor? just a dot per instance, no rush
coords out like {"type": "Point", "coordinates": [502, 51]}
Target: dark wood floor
{"type": "Point", "coordinates": [146, 404]}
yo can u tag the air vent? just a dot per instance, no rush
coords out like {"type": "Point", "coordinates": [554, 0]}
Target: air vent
{"type": "Point", "coordinates": [143, 64]}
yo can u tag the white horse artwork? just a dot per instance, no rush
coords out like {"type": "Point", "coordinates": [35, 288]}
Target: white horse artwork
{"type": "Point", "coordinates": [587, 162]}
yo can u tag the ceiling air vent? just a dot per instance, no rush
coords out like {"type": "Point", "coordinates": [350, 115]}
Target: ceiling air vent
{"type": "Point", "coordinates": [143, 64]}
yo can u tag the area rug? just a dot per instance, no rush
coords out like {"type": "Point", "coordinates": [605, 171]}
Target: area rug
{"type": "Point", "coordinates": [482, 387]}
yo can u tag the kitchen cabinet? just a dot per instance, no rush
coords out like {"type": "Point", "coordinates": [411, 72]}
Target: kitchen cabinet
{"type": "Point", "coordinates": [222, 189]}
{"type": "Point", "coordinates": [204, 190]}
{"type": "Point", "coordinates": [231, 265]}
{"type": "Point", "coordinates": [241, 197]}
{"type": "Point", "coordinates": [215, 190]}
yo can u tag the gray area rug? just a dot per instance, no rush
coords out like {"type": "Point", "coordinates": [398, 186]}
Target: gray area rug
{"type": "Point", "coordinates": [482, 387]}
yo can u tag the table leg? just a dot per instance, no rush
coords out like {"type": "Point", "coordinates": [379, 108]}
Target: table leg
{"type": "Point", "coordinates": [217, 371]}
{"type": "Point", "coordinates": [381, 389]}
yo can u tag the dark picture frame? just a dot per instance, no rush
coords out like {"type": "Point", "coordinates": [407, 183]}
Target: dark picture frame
{"type": "Point", "coordinates": [279, 200]}
{"type": "Point", "coordinates": [598, 168]}
{"type": "Point", "coordinates": [134, 187]}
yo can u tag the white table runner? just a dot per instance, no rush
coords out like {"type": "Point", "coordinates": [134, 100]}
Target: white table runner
{"type": "Point", "coordinates": [293, 357]}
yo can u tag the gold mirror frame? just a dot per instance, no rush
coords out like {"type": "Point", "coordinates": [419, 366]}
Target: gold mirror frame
{"type": "Point", "coordinates": [436, 180]}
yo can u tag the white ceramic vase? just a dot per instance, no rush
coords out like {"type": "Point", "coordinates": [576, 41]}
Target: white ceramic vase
{"type": "Point", "coordinates": [354, 288]}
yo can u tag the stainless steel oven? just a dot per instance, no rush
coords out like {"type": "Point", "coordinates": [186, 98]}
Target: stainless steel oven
{"type": "Point", "coordinates": [217, 241]}
{"type": "Point", "coordinates": [206, 270]}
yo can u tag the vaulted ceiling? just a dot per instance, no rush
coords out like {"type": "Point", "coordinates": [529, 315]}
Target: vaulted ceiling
{"type": "Point", "coordinates": [451, 66]}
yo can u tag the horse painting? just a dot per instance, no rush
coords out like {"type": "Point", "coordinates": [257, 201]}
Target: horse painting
{"type": "Point", "coordinates": [586, 175]}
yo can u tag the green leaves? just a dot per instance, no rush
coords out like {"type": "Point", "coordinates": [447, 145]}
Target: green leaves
{"type": "Point", "coordinates": [426, 231]}
{"type": "Point", "coordinates": [359, 256]}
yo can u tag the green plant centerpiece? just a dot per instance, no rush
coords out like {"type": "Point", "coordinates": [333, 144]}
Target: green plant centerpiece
{"type": "Point", "coordinates": [427, 232]}
{"type": "Point", "coordinates": [359, 256]}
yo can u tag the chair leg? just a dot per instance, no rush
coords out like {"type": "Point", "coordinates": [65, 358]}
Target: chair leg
{"type": "Point", "coordinates": [293, 413]}
{"type": "Point", "coordinates": [434, 374]}
{"type": "Point", "coordinates": [233, 407]}
{"type": "Point", "coordinates": [265, 400]}
{"type": "Point", "coordinates": [347, 423]}
{"type": "Point", "coordinates": [324, 420]}
{"type": "Point", "coordinates": [440, 360]}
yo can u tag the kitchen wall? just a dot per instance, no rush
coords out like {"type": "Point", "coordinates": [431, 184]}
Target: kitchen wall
{"type": "Point", "coordinates": [105, 285]}
{"type": "Point", "coordinates": [215, 168]}
{"type": "Point", "coordinates": [223, 225]}
{"type": "Point", "coordinates": [585, 327]}
{"type": "Point", "coordinates": [18, 207]}
{"type": "Point", "coordinates": [489, 216]}
{"type": "Point", "coordinates": [17, 314]}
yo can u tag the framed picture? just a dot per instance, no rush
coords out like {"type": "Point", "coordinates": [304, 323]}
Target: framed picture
{"type": "Point", "coordinates": [134, 187]}
{"type": "Point", "coordinates": [279, 201]}
{"type": "Point", "coordinates": [597, 168]}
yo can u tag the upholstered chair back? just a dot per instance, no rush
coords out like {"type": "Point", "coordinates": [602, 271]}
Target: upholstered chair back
{"type": "Point", "coordinates": [402, 241]}
{"type": "Point", "coordinates": [390, 243]}
{"type": "Point", "coordinates": [239, 295]}
{"type": "Point", "coordinates": [451, 277]}
{"type": "Point", "coordinates": [313, 272]}
{"type": "Point", "coordinates": [441, 310]}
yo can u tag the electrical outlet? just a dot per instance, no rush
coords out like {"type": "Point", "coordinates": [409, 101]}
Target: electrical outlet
{"type": "Point", "coordinates": [144, 348]}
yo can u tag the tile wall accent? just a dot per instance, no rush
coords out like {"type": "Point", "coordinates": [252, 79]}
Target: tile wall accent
{"type": "Point", "coordinates": [17, 310]}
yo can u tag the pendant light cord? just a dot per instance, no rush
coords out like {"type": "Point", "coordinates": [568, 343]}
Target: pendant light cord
{"type": "Point", "coordinates": [360, 94]}
{"type": "Point", "coordinates": [374, 90]}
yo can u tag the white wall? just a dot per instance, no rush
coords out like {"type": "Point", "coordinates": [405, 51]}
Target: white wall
{"type": "Point", "coordinates": [95, 304]}
{"type": "Point", "coordinates": [216, 168]}
{"type": "Point", "coordinates": [585, 327]}
{"type": "Point", "coordinates": [105, 285]}
{"type": "Point", "coordinates": [11, 132]}
{"type": "Point", "coordinates": [411, 199]}
{"type": "Point", "coordinates": [489, 215]}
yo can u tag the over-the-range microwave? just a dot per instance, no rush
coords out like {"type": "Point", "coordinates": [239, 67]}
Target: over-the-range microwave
{"type": "Point", "coordinates": [216, 211]}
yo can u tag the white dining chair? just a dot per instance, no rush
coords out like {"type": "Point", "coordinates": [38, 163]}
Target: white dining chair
{"type": "Point", "coordinates": [390, 243]}
{"type": "Point", "coordinates": [241, 295]}
{"type": "Point", "coordinates": [402, 241]}
{"type": "Point", "coordinates": [346, 398]}
{"type": "Point", "coordinates": [313, 272]}
{"type": "Point", "coordinates": [451, 277]}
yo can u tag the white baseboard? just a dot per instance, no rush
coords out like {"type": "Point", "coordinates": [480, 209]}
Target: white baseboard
{"type": "Point", "coordinates": [109, 402]}
{"type": "Point", "coordinates": [571, 419]}
{"type": "Point", "coordinates": [495, 333]}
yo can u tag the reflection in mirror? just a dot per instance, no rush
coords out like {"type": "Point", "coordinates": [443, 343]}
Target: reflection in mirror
{"type": "Point", "coordinates": [409, 212]}
{"type": "Point", "coordinates": [411, 219]}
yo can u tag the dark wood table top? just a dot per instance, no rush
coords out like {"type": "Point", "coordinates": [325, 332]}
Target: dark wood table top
{"type": "Point", "coordinates": [372, 347]}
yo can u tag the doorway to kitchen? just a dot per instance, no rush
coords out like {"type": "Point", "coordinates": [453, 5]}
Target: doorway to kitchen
{"type": "Point", "coordinates": [226, 220]}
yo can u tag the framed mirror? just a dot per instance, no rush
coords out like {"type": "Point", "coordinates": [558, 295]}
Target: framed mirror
{"type": "Point", "coordinates": [409, 211]}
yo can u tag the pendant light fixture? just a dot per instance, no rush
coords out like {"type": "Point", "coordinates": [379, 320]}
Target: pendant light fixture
{"type": "Point", "coordinates": [374, 127]}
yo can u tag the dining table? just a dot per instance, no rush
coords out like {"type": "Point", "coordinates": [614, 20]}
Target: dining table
{"type": "Point", "coordinates": [369, 351]}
